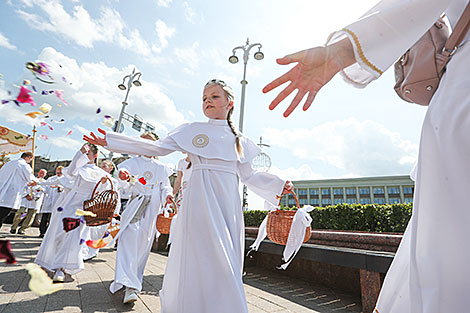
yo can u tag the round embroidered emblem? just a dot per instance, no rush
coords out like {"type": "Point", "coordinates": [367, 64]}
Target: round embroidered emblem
{"type": "Point", "coordinates": [147, 175]}
{"type": "Point", "coordinates": [4, 131]}
{"type": "Point", "coordinates": [200, 141]}
{"type": "Point", "coordinates": [94, 174]}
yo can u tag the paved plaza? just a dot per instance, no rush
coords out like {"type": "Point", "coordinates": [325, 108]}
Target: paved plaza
{"type": "Point", "coordinates": [88, 291]}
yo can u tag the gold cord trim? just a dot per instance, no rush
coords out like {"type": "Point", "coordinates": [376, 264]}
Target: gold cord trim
{"type": "Point", "coordinates": [376, 310]}
{"type": "Point", "coordinates": [362, 55]}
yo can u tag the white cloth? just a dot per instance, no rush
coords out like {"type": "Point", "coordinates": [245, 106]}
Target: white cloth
{"type": "Point", "coordinates": [131, 257]}
{"type": "Point", "coordinates": [204, 269]}
{"type": "Point", "coordinates": [51, 194]}
{"type": "Point", "coordinates": [430, 272]}
{"type": "Point", "coordinates": [60, 249]}
{"type": "Point", "coordinates": [14, 175]}
{"type": "Point", "coordinates": [262, 233]}
{"type": "Point", "coordinates": [300, 222]}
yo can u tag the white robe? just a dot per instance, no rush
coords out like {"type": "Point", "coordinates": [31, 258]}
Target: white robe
{"type": "Point", "coordinates": [131, 257]}
{"type": "Point", "coordinates": [60, 249]}
{"type": "Point", "coordinates": [38, 193]}
{"type": "Point", "coordinates": [14, 176]}
{"type": "Point", "coordinates": [431, 271]}
{"type": "Point", "coordinates": [204, 269]}
{"type": "Point", "coordinates": [51, 194]}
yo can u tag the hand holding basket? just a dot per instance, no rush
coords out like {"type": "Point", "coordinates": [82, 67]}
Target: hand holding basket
{"type": "Point", "coordinates": [163, 222]}
{"type": "Point", "coordinates": [102, 204]}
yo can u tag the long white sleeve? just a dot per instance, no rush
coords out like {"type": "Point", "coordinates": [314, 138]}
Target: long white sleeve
{"type": "Point", "coordinates": [263, 184]}
{"type": "Point", "coordinates": [384, 33]}
{"type": "Point", "coordinates": [78, 161]}
{"type": "Point", "coordinates": [138, 146]}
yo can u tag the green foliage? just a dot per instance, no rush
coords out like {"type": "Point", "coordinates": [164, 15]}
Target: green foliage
{"type": "Point", "coordinates": [356, 217]}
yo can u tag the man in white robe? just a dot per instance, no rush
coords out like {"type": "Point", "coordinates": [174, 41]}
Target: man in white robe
{"type": "Point", "coordinates": [33, 199]}
{"type": "Point", "coordinates": [53, 191]}
{"type": "Point", "coordinates": [138, 221]}
{"type": "Point", "coordinates": [14, 175]}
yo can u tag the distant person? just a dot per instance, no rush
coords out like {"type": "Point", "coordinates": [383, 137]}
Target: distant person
{"type": "Point", "coordinates": [53, 192]}
{"type": "Point", "coordinates": [14, 176]}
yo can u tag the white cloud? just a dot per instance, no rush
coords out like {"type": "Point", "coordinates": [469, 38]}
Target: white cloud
{"type": "Point", "coordinates": [81, 28]}
{"type": "Point", "coordinates": [164, 33]}
{"type": "Point", "coordinates": [189, 58]}
{"type": "Point", "coordinates": [164, 3]}
{"type": "Point", "coordinates": [192, 16]}
{"type": "Point", "coordinates": [357, 148]}
{"type": "Point", "coordinates": [66, 142]}
{"type": "Point", "coordinates": [4, 42]}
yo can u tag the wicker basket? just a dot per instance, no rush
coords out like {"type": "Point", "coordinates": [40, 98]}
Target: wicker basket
{"type": "Point", "coordinates": [279, 224]}
{"type": "Point", "coordinates": [102, 204]}
{"type": "Point", "coordinates": [163, 222]}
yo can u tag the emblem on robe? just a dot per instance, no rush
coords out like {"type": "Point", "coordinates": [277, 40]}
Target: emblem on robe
{"type": "Point", "coordinates": [200, 141]}
{"type": "Point", "coordinates": [147, 175]}
{"type": "Point", "coordinates": [94, 174]}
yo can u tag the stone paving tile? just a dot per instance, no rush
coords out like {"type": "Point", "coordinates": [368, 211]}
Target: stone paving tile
{"type": "Point", "coordinates": [88, 291]}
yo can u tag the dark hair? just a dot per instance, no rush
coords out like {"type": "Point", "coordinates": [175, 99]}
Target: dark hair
{"type": "Point", "coordinates": [27, 155]}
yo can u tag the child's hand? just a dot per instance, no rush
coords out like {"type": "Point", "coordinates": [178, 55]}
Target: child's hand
{"type": "Point", "coordinates": [288, 187]}
{"type": "Point", "coordinates": [124, 175]}
{"type": "Point", "coordinates": [93, 139]}
{"type": "Point", "coordinates": [169, 199]}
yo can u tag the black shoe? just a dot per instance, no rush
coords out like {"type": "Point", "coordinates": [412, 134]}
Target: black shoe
{"type": "Point", "coordinates": [21, 232]}
{"type": "Point", "coordinates": [41, 236]}
{"type": "Point", "coordinates": [12, 231]}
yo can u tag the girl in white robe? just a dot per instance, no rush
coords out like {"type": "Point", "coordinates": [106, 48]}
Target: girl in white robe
{"type": "Point", "coordinates": [205, 262]}
{"type": "Point", "coordinates": [60, 251]}
{"type": "Point", "coordinates": [430, 272]}
{"type": "Point", "coordinates": [138, 222]}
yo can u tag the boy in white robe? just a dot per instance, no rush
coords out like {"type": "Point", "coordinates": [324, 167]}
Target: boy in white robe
{"type": "Point", "coordinates": [33, 199]}
{"type": "Point", "coordinates": [14, 175]}
{"type": "Point", "coordinates": [138, 221]}
{"type": "Point", "coordinates": [53, 191]}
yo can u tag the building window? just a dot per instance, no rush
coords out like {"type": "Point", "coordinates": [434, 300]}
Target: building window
{"type": "Point", "coordinates": [302, 192]}
{"type": "Point", "coordinates": [379, 200]}
{"type": "Point", "coordinates": [291, 201]}
{"type": "Point", "coordinates": [326, 201]}
{"type": "Point", "coordinates": [303, 201]}
{"type": "Point", "coordinates": [364, 191]}
{"type": "Point", "coordinates": [338, 201]}
{"type": "Point", "coordinates": [314, 202]}
{"type": "Point", "coordinates": [393, 190]}
{"type": "Point", "coordinates": [408, 190]}
{"type": "Point", "coordinates": [394, 200]}
{"type": "Point", "coordinates": [408, 200]}
{"type": "Point", "coordinates": [365, 201]}
{"type": "Point", "coordinates": [338, 191]}
{"type": "Point", "coordinates": [379, 191]}
{"type": "Point", "coordinates": [350, 191]}
{"type": "Point", "coordinates": [283, 202]}
{"type": "Point", "coordinates": [314, 192]}
{"type": "Point", "coordinates": [351, 201]}
{"type": "Point", "coordinates": [325, 192]}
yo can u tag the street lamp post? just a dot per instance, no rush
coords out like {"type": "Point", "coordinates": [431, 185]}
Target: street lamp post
{"type": "Point", "coordinates": [234, 59]}
{"type": "Point", "coordinates": [132, 79]}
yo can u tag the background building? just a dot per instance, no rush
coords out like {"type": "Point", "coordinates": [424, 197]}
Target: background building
{"type": "Point", "coordinates": [364, 190]}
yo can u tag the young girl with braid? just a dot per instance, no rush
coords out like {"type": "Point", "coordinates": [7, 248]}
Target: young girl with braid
{"type": "Point", "coordinates": [204, 269]}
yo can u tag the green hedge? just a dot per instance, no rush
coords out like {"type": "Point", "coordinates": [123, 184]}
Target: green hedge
{"type": "Point", "coordinates": [369, 217]}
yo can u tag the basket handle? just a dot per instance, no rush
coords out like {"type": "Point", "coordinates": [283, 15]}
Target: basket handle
{"type": "Point", "coordinates": [174, 205]}
{"type": "Point", "coordinates": [99, 182]}
{"type": "Point", "coordinates": [291, 192]}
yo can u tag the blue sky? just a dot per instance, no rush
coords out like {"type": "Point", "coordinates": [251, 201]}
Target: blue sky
{"type": "Point", "coordinates": [178, 46]}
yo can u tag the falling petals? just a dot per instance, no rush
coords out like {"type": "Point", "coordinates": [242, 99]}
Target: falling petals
{"type": "Point", "coordinates": [142, 181]}
{"type": "Point", "coordinates": [70, 223]}
{"type": "Point", "coordinates": [60, 209]}
{"type": "Point", "coordinates": [44, 93]}
{"type": "Point", "coordinates": [98, 111]}
{"type": "Point", "coordinates": [34, 88]}
{"type": "Point", "coordinates": [40, 283]}
{"type": "Point", "coordinates": [108, 116]}
{"type": "Point", "coordinates": [34, 114]}
{"type": "Point", "coordinates": [59, 94]}
{"type": "Point", "coordinates": [82, 241]}
{"type": "Point", "coordinates": [5, 252]}
{"type": "Point", "coordinates": [45, 108]}
{"type": "Point", "coordinates": [80, 212]}
{"type": "Point", "coordinates": [5, 101]}
{"type": "Point", "coordinates": [108, 122]}
{"type": "Point", "coordinates": [26, 82]}
{"type": "Point", "coordinates": [70, 132]}
{"type": "Point", "coordinates": [43, 137]}
{"type": "Point", "coordinates": [100, 243]}
{"type": "Point", "coordinates": [25, 97]}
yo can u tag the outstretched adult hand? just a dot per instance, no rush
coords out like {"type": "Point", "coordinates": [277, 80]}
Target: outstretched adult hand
{"type": "Point", "coordinates": [315, 67]}
{"type": "Point", "coordinates": [96, 140]}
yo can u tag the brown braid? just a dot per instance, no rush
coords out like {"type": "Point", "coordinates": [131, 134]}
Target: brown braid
{"type": "Point", "coordinates": [235, 132]}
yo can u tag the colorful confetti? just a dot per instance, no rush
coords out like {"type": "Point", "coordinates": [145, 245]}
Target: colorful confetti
{"type": "Point", "coordinates": [59, 94]}
{"type": "Point", "coordinates": [34, 114]}
{"type": "Point", "coordinates": [5, 101]}
{"type": "Point", "coordinates": [98, 111]}
{"type": "Point", "coordinates": [43, 137]}
{"type": "Point", "coordinates": [60, 209]}
{"type": "Point", "coordinates": [45, 108]}
{"type": "Point", "coordinates": [108, 116]}
{"type": "Point", "coordinates": [82, 241]}
{"type": "Point", "coordinates": [70, 132]}
{"type": "Point", "coordinates": [26, 82]}
{"type": "Point", "coordinates": [25, 97]}
{"type": "Point", "coordinates": [40, 283]}
{"type": "Point", "coordinates": [142, 181]}
{"type": "Point", "coordinates": [80, 212]}
{"type": "Point", "coordinates": [5, 252]}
